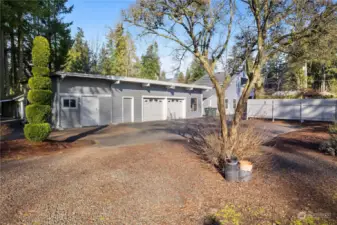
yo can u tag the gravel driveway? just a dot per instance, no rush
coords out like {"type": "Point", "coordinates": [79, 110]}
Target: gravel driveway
{"type": "Point", "coordinates": [156, 182]}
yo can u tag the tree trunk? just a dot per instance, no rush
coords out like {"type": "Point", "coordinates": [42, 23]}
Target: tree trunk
{"type": "Point", "coordinates": [20, 53]}
{"type": "Point", "coordinates": [305, 79]}
{"type": "Point", "coordinates": [13, 60]}
{"type": "Point", "coordinates": [220, 92]}
{"type": "Point", "coordinates": [2, 65]}
{"type": "Point", "coordinates": [323, 88]}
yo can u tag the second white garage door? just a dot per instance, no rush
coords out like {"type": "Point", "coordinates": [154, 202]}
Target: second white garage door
{"type": "Point", "coordinates": [153, 109]}
{"type": "Point", "coordinates": [175, 108]}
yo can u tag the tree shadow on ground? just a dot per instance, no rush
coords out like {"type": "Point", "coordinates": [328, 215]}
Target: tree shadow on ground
{"type": "Point", "coordinates": [309, 182]}
{"type": "Point", "coordinates": [84, 134]}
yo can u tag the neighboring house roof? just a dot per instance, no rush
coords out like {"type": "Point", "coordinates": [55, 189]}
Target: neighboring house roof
{"type": "Point", "coordinates": [131, 80]}
{"type": "Point", "coordinates": [205, 80]}
{"type": "Point", "coordinates": [13, 98]}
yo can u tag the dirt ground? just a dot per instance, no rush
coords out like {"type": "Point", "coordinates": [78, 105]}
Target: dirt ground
{"type": "Point", "coordinates": [166, 183]}
{"type": "Point", "coordinates": [22, 148]}
{"type": "Point", "coordinates": [58, 142]}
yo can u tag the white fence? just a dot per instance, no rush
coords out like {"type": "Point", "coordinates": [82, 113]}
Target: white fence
{"type": "Point", "coordinates": [293, 109]}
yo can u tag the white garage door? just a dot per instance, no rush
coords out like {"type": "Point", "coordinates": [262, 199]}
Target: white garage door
{"type": "Point", "coordinates": [89, 111]}
{"type": "Point", "coordinates": [175, 108]}
{"type": "Point", "coordinates": [153, 109]}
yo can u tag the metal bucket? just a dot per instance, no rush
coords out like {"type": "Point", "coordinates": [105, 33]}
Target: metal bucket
{"type": "Point", "coordinates": [231, 171]}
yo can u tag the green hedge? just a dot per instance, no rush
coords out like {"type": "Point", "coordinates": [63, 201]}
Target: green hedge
{"type": "Point", "coordinates": [43, 83]}
{"type": "Point", "coordinates": [38, 113]}
{"type": "Point", "coordinates": [40, 52]}
{"type": "Point", "coordinates": [41, 97]}
{"type": "Point", "coordinates": [40, 71]}
{"type": "Point", "coordinates": [37, 132]}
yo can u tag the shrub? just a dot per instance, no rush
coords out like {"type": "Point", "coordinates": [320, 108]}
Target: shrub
{"type": "Point", "coordinates": [42, 97]}
{"type": "Point", "coordinates": [40, 71]}
{"type": "Point", "coordinates": [330, 146]}
{"type": "Point", "coordinates": [333, 129]}
{"type": "Point", "coordinates": [38, 113]}
{"type": "Point", "coordinates": [206, 140]}
{"type": "Point", "coordinates": [40, 52]}
{"type": "Point", "coordinates": [43, 83]}
{"type": "Point", "coordinates": [37, 132]}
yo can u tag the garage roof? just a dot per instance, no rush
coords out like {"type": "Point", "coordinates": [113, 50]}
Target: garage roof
{"type": "Point", "coordinates": [146, 82]}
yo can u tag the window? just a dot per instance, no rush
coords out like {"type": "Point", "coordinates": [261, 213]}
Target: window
{"type": "Point", "coordinates": [194, 104]}
{"type": "Point", "coordinates": [234, 103]}
{"type": "Point", "coordinates": [226, 103]}
{"type": "Point", "coordinates": [69, 103]}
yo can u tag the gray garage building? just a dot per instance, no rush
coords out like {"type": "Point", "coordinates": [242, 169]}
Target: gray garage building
{"type": "Point", "coordinates": [91, 100]}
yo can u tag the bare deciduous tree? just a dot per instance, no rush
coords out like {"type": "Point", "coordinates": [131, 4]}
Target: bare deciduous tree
{"type": "Point", "coordinates": [200, 27]}
{"type": "Point", "coordinates": [203, 28]}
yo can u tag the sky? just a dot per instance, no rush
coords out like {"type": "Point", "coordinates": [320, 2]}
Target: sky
{"type": "Point", "coordinates": [96, 16]}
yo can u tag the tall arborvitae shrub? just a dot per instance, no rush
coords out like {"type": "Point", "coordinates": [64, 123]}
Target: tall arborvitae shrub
{"type": "Point", "coordinates": [40, 95]}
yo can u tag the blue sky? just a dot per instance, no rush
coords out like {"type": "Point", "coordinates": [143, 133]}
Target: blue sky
{"type": "Point", "coordinates": [96, 16]}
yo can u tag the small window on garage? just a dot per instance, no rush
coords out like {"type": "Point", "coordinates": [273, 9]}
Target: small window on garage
{"type": "Point", "coordinates": [194, 104]}
{"type": "Point", "coordinates": [69, 103]}
{"type": "Point", "coordinates": [226, 103]}
{"type": "Point", "coordinates": [234, 103]}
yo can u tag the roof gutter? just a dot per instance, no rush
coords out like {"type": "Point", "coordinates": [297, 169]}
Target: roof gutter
{"type": "Point", "coordinates": [119, 79]}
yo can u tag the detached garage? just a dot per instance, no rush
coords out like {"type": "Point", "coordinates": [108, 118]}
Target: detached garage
{"type": "Point", "coordinates": [90, 100]}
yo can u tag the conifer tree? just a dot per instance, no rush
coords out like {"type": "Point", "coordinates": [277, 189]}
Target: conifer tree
{"type": "Point", "coordinates": [40, 94]}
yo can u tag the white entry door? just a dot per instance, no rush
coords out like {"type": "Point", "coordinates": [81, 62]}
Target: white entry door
{"type": "Point", "coordinates": [128, 109]}
{"type": "Point", "coordinates": [89, 111]}
{"type": "Point", "coordinates": [153, 109]}
{"type": "Point", "coordinates": [175, 108]}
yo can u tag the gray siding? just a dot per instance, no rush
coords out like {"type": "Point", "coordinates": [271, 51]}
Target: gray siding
{"type": "Point", "coordinates": [232, 92]}
{"type": "Point", "coordinates": [77, 87]}
{"type": "Point", "coordinates": [84, 86]}
{"type": "Point", "coordinates": [110, 99]}
{"type": "Point", "coordinates": [137, 91]}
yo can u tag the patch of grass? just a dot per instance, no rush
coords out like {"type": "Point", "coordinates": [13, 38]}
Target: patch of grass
{"type": "Point", "coordinates": [310, 220]}
{"type": "Point", "coordinates": [4, 130]}
{"type": "Point", "coordinates": [229, 215]}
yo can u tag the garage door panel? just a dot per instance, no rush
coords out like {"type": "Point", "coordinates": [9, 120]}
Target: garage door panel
{"type": "Point", "coordinates": [175, 108]}
{"type": "Point", "coordinates": [153, 109]}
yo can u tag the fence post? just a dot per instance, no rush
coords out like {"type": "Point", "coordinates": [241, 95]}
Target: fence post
{"type": "Point", "coordinates": [301, 119]}
{"type": "Point", "coordinates": [272, 110]}
{"type": "Point", "coordinates": [247, 109]}
{"type": "Point", "coordinates": [336, 112]}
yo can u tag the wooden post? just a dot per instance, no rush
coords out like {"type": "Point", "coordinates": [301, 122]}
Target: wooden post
{"type": "Point", "coordinates": [336, 112]}
{"type": "Point", "coordinates": [272, 110]}
{"type": "Point", "coordinates": [301, 119]}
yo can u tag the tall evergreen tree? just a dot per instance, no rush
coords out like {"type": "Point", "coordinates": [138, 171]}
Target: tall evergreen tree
{"type": "Point", "coordinates": [78, 56]}
{"type": "Point", "coordinates": [150, 63]}
{"type": "Point", "coordinates": [104, 63]}
{"type": "Point", "coordinates": [180, 77]}
{"type": "Point", "coordinates": [120, 56]}
{"type": "Point", "coordinates": [21, 21]}
{"type": "Point", "coordinates": [162, 75]}
{"type": "Point", "coordinates": [196, 71]}
{"type": "Point", "coordinates": [188, 76]}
